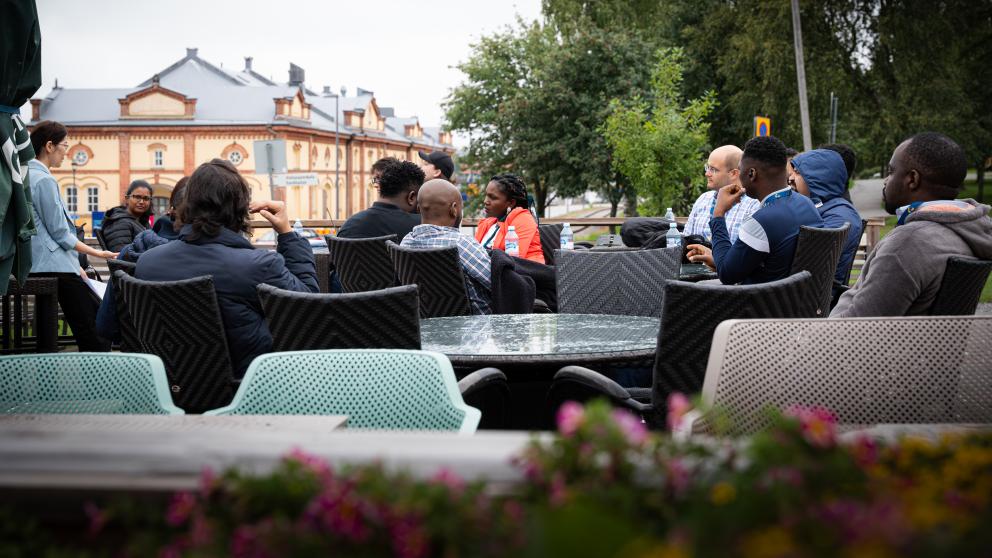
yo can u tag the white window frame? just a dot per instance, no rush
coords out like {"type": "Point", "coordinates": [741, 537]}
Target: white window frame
{"type": "Point", "coordinates": [92, 199]}
{"type": "Point", "coordinates": [72, 198]}
{"type": "Point", "coordinates": [158, 158]}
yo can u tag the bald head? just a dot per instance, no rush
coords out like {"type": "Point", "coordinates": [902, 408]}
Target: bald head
{"type": "Point", "coordinates": [722, 166]}
{"type": "Point", "coordinates": [440, 203]}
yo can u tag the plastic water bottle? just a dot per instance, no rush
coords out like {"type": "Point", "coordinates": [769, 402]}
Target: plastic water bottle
{"type": "Point", "coordinates": [298, 226]}
{"type": "Point", "coordinates": [566, 237]}
{"type": "Point", "coordinates": [512, 242]}
{"type": "Point", "coordinates": [672, 237]}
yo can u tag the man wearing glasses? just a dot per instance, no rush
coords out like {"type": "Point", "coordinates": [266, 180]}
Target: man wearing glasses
{"type": "Point", "coordinates": [721, 170]}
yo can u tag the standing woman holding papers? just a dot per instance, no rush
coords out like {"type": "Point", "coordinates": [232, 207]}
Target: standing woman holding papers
{"type": "Point", "coordinates": [53, 249]}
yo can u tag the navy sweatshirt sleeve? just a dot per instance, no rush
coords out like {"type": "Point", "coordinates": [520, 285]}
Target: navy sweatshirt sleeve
{"type": "Point", "coordinates": [293, 268]}
{"type": "Point", "coordinates": [734, 262]}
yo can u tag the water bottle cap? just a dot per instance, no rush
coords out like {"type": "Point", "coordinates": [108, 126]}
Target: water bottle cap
{"type": "Point", "coordinates": [512, 228]}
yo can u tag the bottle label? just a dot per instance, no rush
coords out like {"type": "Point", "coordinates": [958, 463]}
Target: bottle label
{"type": "Point", "coordinates": [512, 248]}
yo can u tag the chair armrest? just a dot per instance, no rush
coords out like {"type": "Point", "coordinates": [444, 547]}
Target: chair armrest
{"type": "Point", "coordinates": [480, 379]}
{"type": "Point", "coordinates": [600, 383]}
{"type": "Point", "coordinates": [640, 394]}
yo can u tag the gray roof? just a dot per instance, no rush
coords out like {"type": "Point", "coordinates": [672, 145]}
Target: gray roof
{"type": "Point", "coordinates": [222, 97]}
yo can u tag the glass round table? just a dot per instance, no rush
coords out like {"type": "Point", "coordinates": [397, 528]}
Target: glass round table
{"type": "Point", "coordinates": [550, 339]}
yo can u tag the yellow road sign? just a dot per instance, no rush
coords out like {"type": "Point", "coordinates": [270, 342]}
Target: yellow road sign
{"type": "Point", "coordinates": [762, 126]}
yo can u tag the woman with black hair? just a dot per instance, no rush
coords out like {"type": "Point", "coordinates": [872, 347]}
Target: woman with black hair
{"type": "Point", "coordinates": [506, 206]}
{"type": "Point", "coordinates": [53, 250]}
{"type": "Point", "coordinates": [124, 222]}
{"type": "Point", "coordinates": [214, 217]}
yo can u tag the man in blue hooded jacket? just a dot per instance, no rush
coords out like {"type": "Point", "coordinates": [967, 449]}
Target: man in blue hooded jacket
{"type": "Point", "coordinates": [821, 175]}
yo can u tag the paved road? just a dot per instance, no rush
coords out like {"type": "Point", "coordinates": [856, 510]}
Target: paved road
{"type": "Point", "coordinates": [867, 197]}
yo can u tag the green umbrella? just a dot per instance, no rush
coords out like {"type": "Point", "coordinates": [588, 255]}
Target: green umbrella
{"type": "Point", "coordinates": [20, 77]}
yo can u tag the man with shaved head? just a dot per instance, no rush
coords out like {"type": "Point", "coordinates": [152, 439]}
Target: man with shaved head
{"type": "Point", "coordinates": [721, 170]}
{"type": "Point", "coordinates": [441, 214]}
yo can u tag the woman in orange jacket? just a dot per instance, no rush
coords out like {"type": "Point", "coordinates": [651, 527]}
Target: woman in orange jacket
{"type": "Point", "coordinates": [506, 206]}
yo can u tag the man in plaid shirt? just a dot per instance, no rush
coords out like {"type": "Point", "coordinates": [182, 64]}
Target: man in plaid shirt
{"type": "Point", "coordinates": [441, 214]}
{"type": "Point", "coordinates": [721, 170]}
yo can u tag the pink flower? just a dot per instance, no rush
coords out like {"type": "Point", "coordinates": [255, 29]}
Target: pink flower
{"type": "Point", "coordinates": [98, 518]}
{"type": "Point", "coordinates": [208, 481]}
{"type": "Point", "coordinates": [865, 451]}
{"type": "Point", "coordinates": [447, 477]}
{"type": "Point", "coordinates": [310, 462]}
{"type": "Point", "coordinates": [631, 426]}
{"type": "Point", "coordinates": [570, 416]}
{"type": "Point", "coordinates": [678, 406]}
{"type": "Point", "coordinates": [559, 493]}
{"type": "Point", "coordinates": [819, 426]}
{"type": "Point", "coordinates": [180, 508]}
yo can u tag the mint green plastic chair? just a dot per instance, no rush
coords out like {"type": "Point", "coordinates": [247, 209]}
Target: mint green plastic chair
{"type": "Point", "coordinates": [85, 383]}
{"type": "Point", "coordinates": [375, 388]}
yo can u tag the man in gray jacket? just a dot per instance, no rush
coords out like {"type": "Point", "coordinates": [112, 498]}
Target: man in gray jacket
{"type": "Point", "coordinates": [902, 274]}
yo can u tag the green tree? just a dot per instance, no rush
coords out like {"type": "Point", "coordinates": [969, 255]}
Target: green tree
{"type": "Point", "coordinates": [659, 147]}
{"type": "Point", "coordinates": [533, 101]}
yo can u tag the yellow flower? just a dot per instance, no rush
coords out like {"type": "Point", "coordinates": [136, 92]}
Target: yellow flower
{"type": "Point", "coordinates": [769, 543]}
{"type": "Point", "coordinates": [722, 493]}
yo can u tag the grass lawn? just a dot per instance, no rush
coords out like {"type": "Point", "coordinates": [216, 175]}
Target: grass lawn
{"type": "Point", "coordinates": [890, 222]}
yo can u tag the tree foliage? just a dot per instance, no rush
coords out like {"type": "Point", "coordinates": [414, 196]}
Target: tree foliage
{"type": "Point", "coordinates": [536, 95]}
{"type": "Point", "coordinates": [660, 146]}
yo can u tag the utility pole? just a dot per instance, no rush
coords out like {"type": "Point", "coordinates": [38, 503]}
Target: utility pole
{"type": "Point", "coordinates": [797, 35]}
{"type": "Point", "coordinates": [834, 100]}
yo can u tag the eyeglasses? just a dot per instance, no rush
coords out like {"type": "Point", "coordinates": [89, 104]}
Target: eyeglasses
{"type": "Point", "coordinates": [64, 144]}
{"type": "Point", "coordinates": [145, 199]}
{"type": "Point", "coordinates": [374, 180]}
{"type": "Point", "coordinates": [710, 169]}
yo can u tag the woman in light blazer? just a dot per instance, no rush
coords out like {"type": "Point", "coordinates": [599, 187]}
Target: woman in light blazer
{"type": "Point", "coordinates": [53, 250]}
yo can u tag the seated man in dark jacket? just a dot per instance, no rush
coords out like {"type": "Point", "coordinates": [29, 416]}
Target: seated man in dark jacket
{"type": "Point", "coordinates": [767, 242]}
{"type": "Point", "coordinates": [212, 242]}
{"type": "Point", "coordinates": [398, 183]}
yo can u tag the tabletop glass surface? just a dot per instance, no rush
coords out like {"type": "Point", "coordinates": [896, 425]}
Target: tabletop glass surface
{"type": "Point", "coordinates": [693, 269]}
{"type": "Point", "coordinates": [538, 334]}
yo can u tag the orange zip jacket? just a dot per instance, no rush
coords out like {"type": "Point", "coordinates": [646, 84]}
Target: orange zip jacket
{"type": "Point", "coordinates": [523, 223]}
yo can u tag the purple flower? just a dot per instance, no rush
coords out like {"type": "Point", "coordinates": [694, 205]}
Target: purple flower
{"type": "Point", "coordinates": [570, 416]}
{"type": "Point", "coordinates": [310, 462]}
{"type": "Point", "coordinates": [180, 508]}
{"type": "Point", "coordinates": [559, 492]}
{"type": "Point", "coordinates": [678, 476]}
{"type": "Point", "coordinates": [410, 540]}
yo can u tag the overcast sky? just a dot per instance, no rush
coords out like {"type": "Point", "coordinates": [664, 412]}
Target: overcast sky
{"type": "Point", "coordinates": [404, 51]}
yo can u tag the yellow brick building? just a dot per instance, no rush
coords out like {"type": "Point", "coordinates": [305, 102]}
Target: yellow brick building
{"type": "Point", "coordinates": [194, 111]}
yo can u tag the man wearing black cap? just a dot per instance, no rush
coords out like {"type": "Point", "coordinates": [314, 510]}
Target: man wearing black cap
{"type": "Point", "coordinates": [437, 164]}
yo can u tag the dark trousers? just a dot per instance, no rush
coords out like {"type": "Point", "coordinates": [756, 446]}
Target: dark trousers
{"type": "Point", "coordinates": [79, 305]}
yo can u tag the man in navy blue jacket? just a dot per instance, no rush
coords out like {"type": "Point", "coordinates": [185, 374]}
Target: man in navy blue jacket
{"type": "Point", "coordinates": [767, 241]}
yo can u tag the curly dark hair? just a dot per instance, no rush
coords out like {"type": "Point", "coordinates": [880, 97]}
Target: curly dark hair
{"type": "Point", "coordinates": [217, 197]}
{"type": "Point", "coordinates": [512, 187]}
{"type": "Point", "coordinates": [938, 159]}
{"type": "Point", "coordinates": [398, 177]}
{"type": "Point", "coordinates": [846, 153]}
{"type": "Point", "coordinates": [381, 164]}
{"type": "Point", "coordinates": [767, 150]}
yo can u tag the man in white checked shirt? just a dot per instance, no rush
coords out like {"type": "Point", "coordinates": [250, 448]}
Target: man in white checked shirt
{"type": "Point", "coordinates": [721, 170]}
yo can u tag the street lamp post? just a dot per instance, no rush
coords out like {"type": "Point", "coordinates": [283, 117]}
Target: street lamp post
{"type": "Point", "coordinates": [337, 154]}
